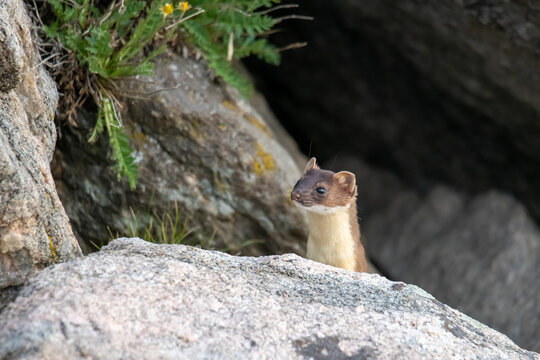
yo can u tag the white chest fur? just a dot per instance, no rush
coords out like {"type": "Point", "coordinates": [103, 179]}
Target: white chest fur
{"type": "Point", "coordinates": [330, 239]}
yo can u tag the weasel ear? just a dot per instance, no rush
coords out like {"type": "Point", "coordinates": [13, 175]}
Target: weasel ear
{"type": "Point", "coordinates": [312, 164]}
{"type": "Point", "coordinates": [347, 181]}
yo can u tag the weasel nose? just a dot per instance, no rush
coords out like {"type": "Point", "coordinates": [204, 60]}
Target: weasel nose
{"type": "Point", "coordinates": [295, 196]}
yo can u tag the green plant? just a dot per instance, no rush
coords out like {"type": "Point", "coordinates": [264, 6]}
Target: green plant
{"type": "Point", "coordinates": [105, 41]}
{"type": "Point", "coordinates": [108, 45]}
{"type": "Point", "coordinates": [230, 29]}
{"type": "Point", "coordinates": [172, 227]}
{"type": "Point", "coordinates": [168, 227]}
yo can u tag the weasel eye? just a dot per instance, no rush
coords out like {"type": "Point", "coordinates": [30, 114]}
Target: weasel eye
{"type": "Point", "coordinates": [321, 190]}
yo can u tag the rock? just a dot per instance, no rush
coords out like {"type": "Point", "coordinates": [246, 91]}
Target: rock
{"type": "Point", "coordinates": [282, 136]}
{"type": "Point", "coordinates": [34, 229]}
{"type": "Point", "coordinates": [477, 254]}
{"type": "Point", "coordinates": [198, 145]}
{"type": "Point", "coordinates": [438, 90]}
{"type": "Point", "coordinates": [12, 44]}
{"type": "Point", "coordinates": [138, 300]}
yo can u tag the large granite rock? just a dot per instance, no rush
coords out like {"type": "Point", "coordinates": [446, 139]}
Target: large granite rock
{"type": "Point", "coordinates": [34, 229]}
{"type": "Point", "coordinates": [136, 300]}
{"type": "Point", "coordinates": [479, 254]}
{"type": "Point", "coordinates": [443, 90]}
{"type": "Point", "coordinates": [199, 145]}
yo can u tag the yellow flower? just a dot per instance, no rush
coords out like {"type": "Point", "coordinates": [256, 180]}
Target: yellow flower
{"type": "Point", "coordinates": [184, 6]}
{"type": "Point", "coordinates": [167, 9]}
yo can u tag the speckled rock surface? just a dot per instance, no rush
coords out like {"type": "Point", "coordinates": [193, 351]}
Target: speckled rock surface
{"type": "Point", "coordinates": [34, 229]}
{"type": "Point", "coordinates": [199, 145]}
{"type": "Point", "coordinates": [12, 54]}
{"type": "Point", "coordinates": [479, 254]}
{"type": "Point", "coordinates": [136, 300]}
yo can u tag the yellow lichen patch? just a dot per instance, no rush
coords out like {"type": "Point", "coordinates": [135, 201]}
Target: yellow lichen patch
{"type": "Point", "coordinates": [195, 133]}
{"type": "Point", "coordinates": [263, 162]}
{"type": "Point", "coordinates": [222, 127]}
{"type": "Point", "coordinates": [51, 248]}
{"type": "Point", "coordinates": [139, 139]}
{"type": "Point", "coordinates": [229, 105]}
{"type": "Point", "coordinates": [249, 118]}
{"type": "Point", "coordinates": [267, 159]}
{"type": "Point", "coordinates": [253, 121]}
{"type": "Point", "coordinates": [257, 168]}
{"type": "Point", "coordinates": [159, 99]}
{"type": "Point", "coordinates": [220, 185]}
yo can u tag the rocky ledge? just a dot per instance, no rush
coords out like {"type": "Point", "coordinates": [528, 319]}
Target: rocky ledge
{"type": "Point", "coordinates": [137, 300]}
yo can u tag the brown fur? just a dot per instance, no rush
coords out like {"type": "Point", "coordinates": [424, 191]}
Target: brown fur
{"type": "Point", "coordinates": [360, 253]}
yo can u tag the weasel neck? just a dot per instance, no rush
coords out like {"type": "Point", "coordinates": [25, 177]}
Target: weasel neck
{"type": "Point", "coordinates": [334, 239]}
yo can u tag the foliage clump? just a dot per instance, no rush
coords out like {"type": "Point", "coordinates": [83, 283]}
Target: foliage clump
{"type": "Point", "coordinates": [99, 42]}
{"type": "Point", "coordinates": [166, 227]}
{"type": "Point", "coordinates": [229, 29]}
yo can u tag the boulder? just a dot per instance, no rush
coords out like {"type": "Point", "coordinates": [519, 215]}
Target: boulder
{"type": "Point", "coordinates": [137, 300]}
{"type": "Point", "coordinates": [34, 229]}
{"type": "Point", "coordinates": [479, 254]}
{"type": "Point", "coordinates": [199, 146]}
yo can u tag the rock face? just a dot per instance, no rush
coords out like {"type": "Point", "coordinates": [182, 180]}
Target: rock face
{"type": "Point", "coordinates": [443, 90]}
{"type": "Point", "coordinates": [198, 145]}
{"type": "Point", "coordinates": [138, 300]}
{"type": "Point", "coordinates": [479, 254]}
{"type": "Point", "coordinates": [34, 230]}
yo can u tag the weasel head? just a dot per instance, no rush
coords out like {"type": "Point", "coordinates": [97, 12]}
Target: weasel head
{"type": "Point", "coordinates": [323, 191]}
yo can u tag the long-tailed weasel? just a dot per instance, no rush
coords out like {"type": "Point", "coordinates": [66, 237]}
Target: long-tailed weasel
{"type": "Point", "coordinates": [330, 201]}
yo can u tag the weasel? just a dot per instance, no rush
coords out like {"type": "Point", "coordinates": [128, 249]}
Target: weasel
{"type": "Point", "coordinates": [330, 201]}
